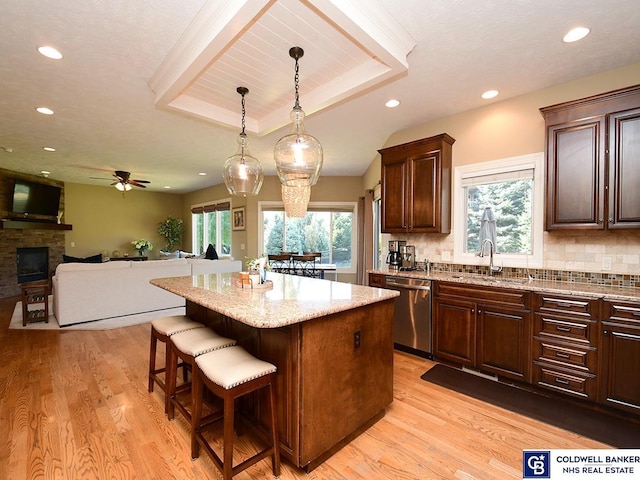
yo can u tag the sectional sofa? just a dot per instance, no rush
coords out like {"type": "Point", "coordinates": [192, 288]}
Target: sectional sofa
{"type": "Point", "coordinates": [86, 292]}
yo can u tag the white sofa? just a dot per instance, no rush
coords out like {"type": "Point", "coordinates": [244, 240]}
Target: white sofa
{"type": "Point", "coordinates": [86, 292]}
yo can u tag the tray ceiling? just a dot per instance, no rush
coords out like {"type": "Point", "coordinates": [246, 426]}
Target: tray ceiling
{"type": "Point", "coordinates": [348, 50]}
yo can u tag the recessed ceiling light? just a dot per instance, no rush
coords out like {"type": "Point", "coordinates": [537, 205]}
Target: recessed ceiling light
{"type": "Point", "coordinates": [576, 34]}
{"type": "Point", "coordinates": [202, 174]}
{"type": "Point", "coordinates": [167, 187]}
{"type": "Point", "coordinates": [393, 103]}
{"type": "Point", "coordinates": [45, 173]}
{"type": "Point", "coordinates": [44, 110]}
{"type": "Point", "coordinates": [49, 149]}
{"type": "Point", "coordinates": [50, 52]}
{"type": "Point", "coordinates": [490, 94]}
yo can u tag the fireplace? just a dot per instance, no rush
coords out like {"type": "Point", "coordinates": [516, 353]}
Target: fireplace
{"type": "Point", "coordinates": [33, 264]}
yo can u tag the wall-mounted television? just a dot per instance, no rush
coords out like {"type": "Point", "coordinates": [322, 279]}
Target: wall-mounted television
{"type": "Point", "coordinates": [32, 198]}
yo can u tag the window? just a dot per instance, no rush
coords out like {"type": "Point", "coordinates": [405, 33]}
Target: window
{"type": "Point", "coordinates": [211, 224]}
{"type": "Point", "coordinates": [327, 228]}
{"type": "Point", "coordinates": [509, 191]}
{"type": "Point", "coordinates": [378, 261]}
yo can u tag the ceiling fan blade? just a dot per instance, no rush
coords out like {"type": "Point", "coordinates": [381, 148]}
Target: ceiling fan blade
{"type": "Point", "coordinates": [140, 181]}
{"type": "Point", "coordinates": [136, 184]}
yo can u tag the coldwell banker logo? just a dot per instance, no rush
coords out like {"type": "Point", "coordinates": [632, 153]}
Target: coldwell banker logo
{"type": "Point", "coordinates": [535, 464]}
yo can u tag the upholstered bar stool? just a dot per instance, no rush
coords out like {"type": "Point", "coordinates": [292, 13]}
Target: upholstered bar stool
{"type": "Point", "coordinates": [161, 330]}
{"type": "Point", "coordinates": [230, 373]}
{"type": "Point", "coordinates": [185, 347]}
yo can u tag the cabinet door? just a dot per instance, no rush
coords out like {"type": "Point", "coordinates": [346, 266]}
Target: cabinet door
{"type": "Point", "coordinates": [624, 170]}
{"type": "Point", "coordinates": [454, 331]}
{"type": "Point", "coordinates": [394, 194]}
{"type": "Point", "coordinates": [576, 175]}
{"type": "Point", "coordinates": [424, 199]}
{"type": "Point", "coordinates": [504, 338]}
{"type": "Point", "coordinates": [620, 382]}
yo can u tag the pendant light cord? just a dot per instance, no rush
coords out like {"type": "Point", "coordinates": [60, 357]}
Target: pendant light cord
{"type": "Point", "coordinates": [296, 80]}
{"type": "Point", "coordinates": [243, 112]}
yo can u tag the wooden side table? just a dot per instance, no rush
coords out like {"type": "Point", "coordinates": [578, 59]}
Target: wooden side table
{"type": "Point", "coordinates": [35, 302]}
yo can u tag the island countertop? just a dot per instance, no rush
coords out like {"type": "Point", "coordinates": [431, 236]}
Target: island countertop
{"type": "Point", "coordinates": [292, 299]}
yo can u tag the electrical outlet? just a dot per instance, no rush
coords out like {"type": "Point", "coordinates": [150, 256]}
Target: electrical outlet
{"type": "Point", "coordinates": [73, 244]}
{"type": "Point", "coordinates": [446, 256]}
{"type": "Point", "coordinates": [242, 246]}
{"type": "Point", "coordinates": [606, 263]}
{"type": "Point", "coordinates": [356, 340]}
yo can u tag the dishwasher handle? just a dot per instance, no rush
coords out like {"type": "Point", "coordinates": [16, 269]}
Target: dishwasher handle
{"type": "Point", "coordinates": [408, 286]}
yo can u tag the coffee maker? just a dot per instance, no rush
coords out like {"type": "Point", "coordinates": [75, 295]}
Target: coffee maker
{"type": "Point", "coordinates": [394, 257]}
{"type": "Point", "coordinates": [408, 257]}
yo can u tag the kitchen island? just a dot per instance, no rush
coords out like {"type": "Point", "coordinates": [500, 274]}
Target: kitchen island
{"type": "Point", "coordinates": [332, 343]}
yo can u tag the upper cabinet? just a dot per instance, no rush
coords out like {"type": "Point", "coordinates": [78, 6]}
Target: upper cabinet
{"type": "Point", "coordinates": [416, 186]}
{"type": "Point", "coordinates": [593, 162]}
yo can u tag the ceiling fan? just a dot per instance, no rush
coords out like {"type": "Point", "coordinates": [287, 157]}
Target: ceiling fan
{"type": "Point", "coordinates": [124, 182]}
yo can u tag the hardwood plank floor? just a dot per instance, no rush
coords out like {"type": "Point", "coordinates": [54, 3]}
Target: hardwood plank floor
{"type": "Point", "coordinates": [74, 405]}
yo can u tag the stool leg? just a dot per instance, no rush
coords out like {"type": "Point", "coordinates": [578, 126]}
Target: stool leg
{"type": "Point", "coordinates": [275, 458]}
{"type": "Point", "coordinates": [229, 417]}
{"type": "Point", "coordinates": [152, 359]}
{"type": "Point", "coordinates": [171, 374]}
{"type": "Point", "coordinates": [196, 411]}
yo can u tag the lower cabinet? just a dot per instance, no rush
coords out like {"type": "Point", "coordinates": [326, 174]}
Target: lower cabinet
{"type": "Point", "coordinates": [620, 355]}
{"type": "Point", "coordinates": [485, 328]}
{"type": "Point", "coordinates": [565, 353]}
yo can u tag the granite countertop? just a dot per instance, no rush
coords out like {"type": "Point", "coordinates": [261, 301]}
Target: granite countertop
{"type": "Point", "coordinates": [540, 286]}
{"type": "Point", "coordinates": [293, 299]}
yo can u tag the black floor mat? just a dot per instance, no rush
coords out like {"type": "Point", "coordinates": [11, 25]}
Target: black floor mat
{"type": "Point", "coordinates": [567, 415]}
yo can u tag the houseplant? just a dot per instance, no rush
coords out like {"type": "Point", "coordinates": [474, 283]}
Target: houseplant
{"type": "Point", "coordinates": [141, 246]}
{"type": "Point", "coordinates": [171, 229]}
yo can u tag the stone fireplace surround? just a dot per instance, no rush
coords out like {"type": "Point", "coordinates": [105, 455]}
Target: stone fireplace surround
{"type": "Point", "coordinates": [13, 238]}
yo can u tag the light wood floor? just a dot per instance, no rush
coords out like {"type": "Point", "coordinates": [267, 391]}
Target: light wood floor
{"type": "Point", "coordinates": [74, 405]}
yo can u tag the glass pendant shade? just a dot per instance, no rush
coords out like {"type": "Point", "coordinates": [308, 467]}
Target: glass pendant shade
{"type": "Point", "coordinates": [123, 187]}
{"type": "Point", "coordinates": [295, 199]}
{"type": "Point", "coordinates": [242, 172]}
{"type": "Point", "coordinates": [298, 156]}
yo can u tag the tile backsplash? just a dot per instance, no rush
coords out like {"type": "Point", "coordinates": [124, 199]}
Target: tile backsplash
{"type": "Point", "coordinates": [577, 257]}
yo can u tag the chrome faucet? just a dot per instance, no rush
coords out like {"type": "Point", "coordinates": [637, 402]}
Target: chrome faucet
{"type": "Point", "coordinates": [492, 268]}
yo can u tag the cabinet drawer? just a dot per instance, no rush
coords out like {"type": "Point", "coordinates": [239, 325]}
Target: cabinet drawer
{"type": "Point", "coordinates": [487, 294]}
{"type": "Point", "coordinates": [627, 312]}
{"type": "Point", "coordinates": [567, 356]}
{"type": "Point", "coordinates": [567, 304]}
{"type": "Point", "coordinates": [566, 329]}
{"type": "Point", "coordinates": [574, 384]}
{"type": "Point", "coordinates": [377, 280]}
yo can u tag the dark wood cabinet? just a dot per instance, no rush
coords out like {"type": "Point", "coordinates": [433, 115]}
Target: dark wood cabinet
{"type": "Point", "coordinates": [591, 162]}
{"type": "Point", "coordinates": [620, 355]}
{"type": "Point", "coordinates": [377, 280]}
{"type": "Point", "coordinates": [565, 344]}
{"type": "Point", "coordinates": [624, 170]}
{"type": "Point", "coordinates": [485, 328]}
{"type": "Point", "coordinates": [416, 186]}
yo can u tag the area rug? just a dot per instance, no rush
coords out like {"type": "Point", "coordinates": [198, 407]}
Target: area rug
{"type": "Point", "coordinates": [107, 324]}
{"type": "Point", "coordinates": [563, 414]}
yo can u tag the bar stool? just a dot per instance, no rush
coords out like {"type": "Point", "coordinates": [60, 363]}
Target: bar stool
{"type": "Point", "coordinates": [230, 373]}
{"type": "Point", "coordinates": [186, 346]}
{"type": "Point", "coordinates": [161, 330]}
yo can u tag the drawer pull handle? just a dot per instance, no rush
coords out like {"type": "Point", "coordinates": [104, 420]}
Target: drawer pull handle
{"type": "Point", "coordinates": [636, 313]}
{"type": "Point", "coordinates": [560, 328]}
{"type": "Point", "coordinates": [562, 381]}
{"type": "Point", "coordinates": [562, 355]}
{"type": "Point", "coordinates": [564, 305]}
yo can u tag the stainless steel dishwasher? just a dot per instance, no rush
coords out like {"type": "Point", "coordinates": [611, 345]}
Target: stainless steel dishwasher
{"type": "Point", "coordinates": [412, 315]}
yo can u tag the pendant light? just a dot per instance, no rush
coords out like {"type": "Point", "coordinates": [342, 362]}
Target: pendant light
{"type": "Point", "coordinates": [242, 172]}
{"type": "Point", "coordinates": [298, 155]}
{"type": "Point", "coordinates": [295, 200]}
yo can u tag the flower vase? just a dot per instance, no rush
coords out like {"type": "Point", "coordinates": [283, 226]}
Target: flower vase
{"type": "Point", "coordinates": [141, 252]}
